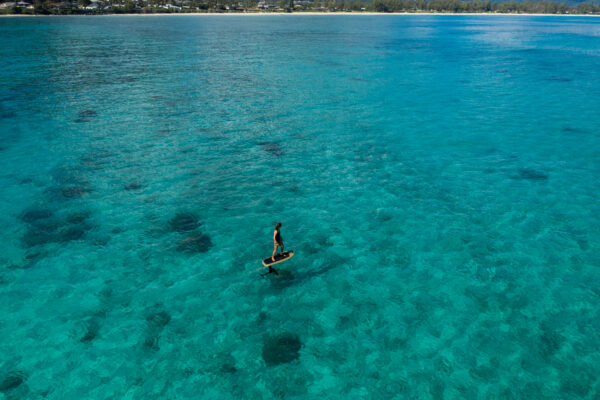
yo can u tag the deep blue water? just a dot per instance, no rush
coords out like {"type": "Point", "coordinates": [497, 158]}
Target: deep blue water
{"type": "Point", "coordinates": [437, 176]}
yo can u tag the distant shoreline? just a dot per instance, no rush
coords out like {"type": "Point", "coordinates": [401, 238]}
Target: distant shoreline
{"type": "Point", "coordinates": [312, 13]}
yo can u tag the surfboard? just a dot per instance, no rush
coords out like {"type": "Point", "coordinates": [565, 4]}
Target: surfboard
{"type": "Point", "coordinates": [279, 258]}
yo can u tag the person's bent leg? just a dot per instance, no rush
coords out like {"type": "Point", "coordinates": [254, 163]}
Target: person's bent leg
{"type": "Point", "coordinates": [274, 251]}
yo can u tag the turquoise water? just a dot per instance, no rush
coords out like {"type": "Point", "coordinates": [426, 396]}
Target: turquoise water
{"type": "Point", "coordinates": [437, 176]}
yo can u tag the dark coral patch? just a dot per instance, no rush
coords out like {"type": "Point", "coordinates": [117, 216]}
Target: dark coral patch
{"type": "Point", "coordinates": [443, 365]}
{"type": "Point", "coordinates": [272, 148]}
{"type": "Point", "coordinates": [92, 328]}
{"type": "Point", "coordinates": [531, 174]}
{"type": "Point", "coordinates": [550, 342]}
{"type": "Point", "coordinates": [75, 229]}
{"type": "Point", "coordinates": [294, 189]}
{"type": "Point", "coordinates": [559, 79]}
{"type": "Point", "coordinates": [31, 259]}
{"type": "Point", "coordinates": [158, 319]}
{"type": "Point", "coordinates": [132, 186]}
{"type": "Point", "coordinates": [12, 381]}
{"type": "Point", "coordinates": [187, 150]}
{"type": "Point", "coordinates": [568, 129]}
{"type": "Point", "coordinates": [228, 365]}
{"type": "Point", "coordinates": [35, 256]}
{"type": "Point", "coordinates": [195, 244]}
{"type": "Point", "coordinates": [184, 222]}
{"type": "Point", "coordinates": [77, 217]}
{"type": "Point", "coordinates": [88, 337]}
{"type": "Point", "coordinates": [164, 132]}
{"type": "Point", "coordinates": [263, 316]}
{"type": "Point", "coordinates": [71, 192]}
{"type": "Point", "coordinates": [32, 239]}
{"type": "Point", "coordinates": [101, 241]}
{"type": "Point", "coordinates": [577, 384]}
{"type": "Point", "coordinates": [127, 79]}
{"type": "Point", "coordinates": [86, 115]}
{"type": "Point", "coordinates": [228, 368]}
{"type": "Point", "coordinates": [95, 155]}
{"type": "Point", "coordinates": [51, 232]}
{"type": "Point", "coordinates": [72, 233]}
{"type": "Point", "coordinates": [96, 160]}
{"type": "Point", "coordinates": [40, 234]}
{"type": "Point", "coordinates": [6, 115]}
{"type": "Point", "coordinates": [32, 215]}
{"type": "Point", "coordinates": [62, 193]}
{"type": "Point", "coordinates": [151, 341]}
{"type": "Point", "coordinates": [281, 349]}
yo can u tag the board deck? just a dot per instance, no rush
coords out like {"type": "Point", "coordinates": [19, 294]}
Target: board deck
{"type": "Point", "coordinates": [286, 255]}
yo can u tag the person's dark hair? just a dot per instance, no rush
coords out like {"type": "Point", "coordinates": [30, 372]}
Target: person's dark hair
{"type": "Point", "coordinates": [278, 225]}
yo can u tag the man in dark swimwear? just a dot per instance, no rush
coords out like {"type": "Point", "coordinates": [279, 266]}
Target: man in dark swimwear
{"type": "Point", "coordinates": [277, 241]}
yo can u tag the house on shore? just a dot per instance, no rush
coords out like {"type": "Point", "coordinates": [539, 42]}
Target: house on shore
{"type": "Point", "coordinates": [19, 4]}
{"type": "Point", "coordinates": [94, 5]}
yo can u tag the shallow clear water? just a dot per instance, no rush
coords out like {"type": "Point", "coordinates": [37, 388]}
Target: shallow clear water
{"type": "Point", "coordinates": [437, 176]}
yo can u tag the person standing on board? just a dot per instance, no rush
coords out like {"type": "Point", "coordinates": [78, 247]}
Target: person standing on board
{"type": "Point", "coordinates": [277, 241]}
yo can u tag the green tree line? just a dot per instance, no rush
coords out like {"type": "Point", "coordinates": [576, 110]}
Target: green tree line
{"type": "Point", "coordinates": [477, 6]}
{"type": "Point", "coordinates": [441, 6]}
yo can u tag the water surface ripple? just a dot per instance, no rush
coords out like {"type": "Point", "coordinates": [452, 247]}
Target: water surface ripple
{"type": "Point", "coordinates": [437, 176]}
